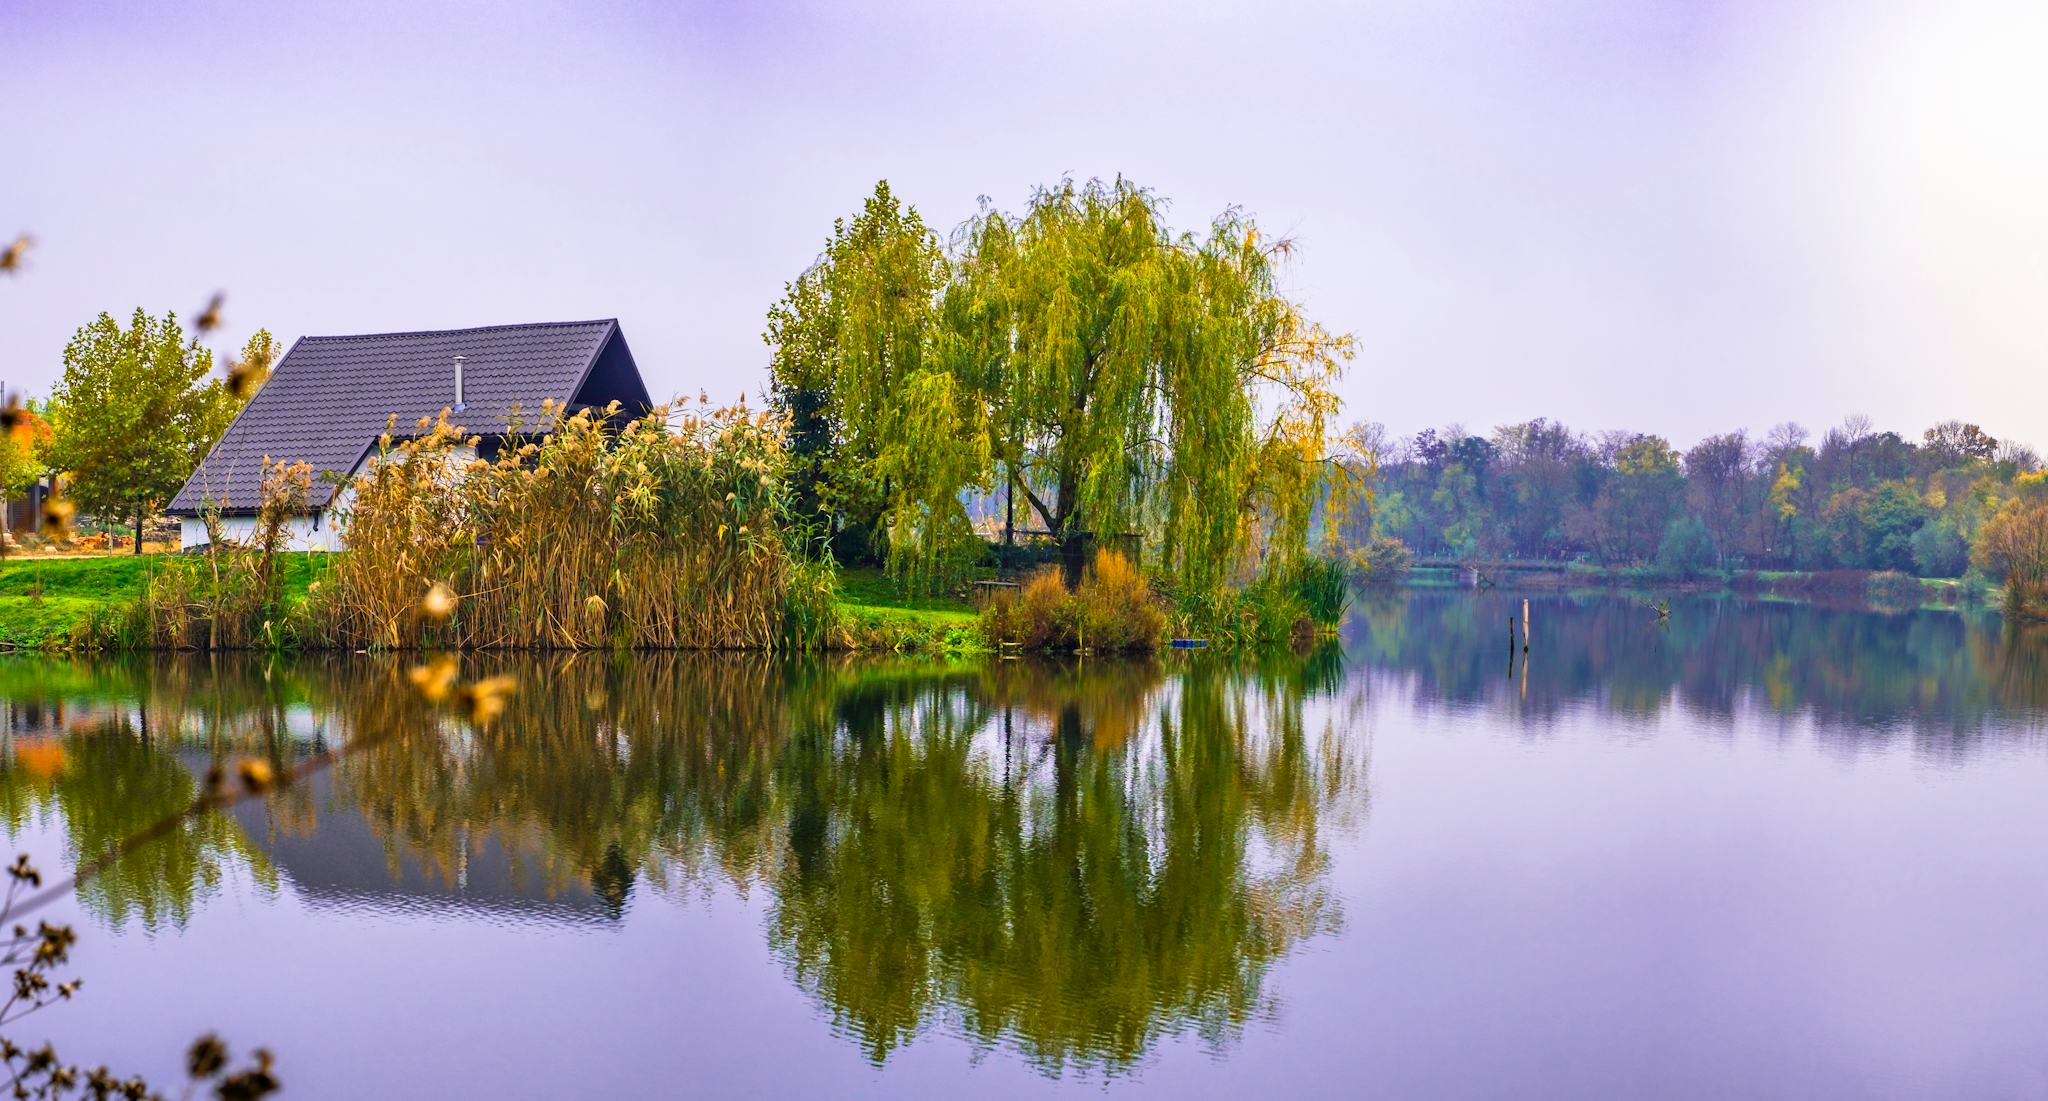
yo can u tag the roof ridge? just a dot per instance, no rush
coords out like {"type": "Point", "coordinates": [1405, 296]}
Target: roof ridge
{"type": "Point", "coordinates": [474, 329]}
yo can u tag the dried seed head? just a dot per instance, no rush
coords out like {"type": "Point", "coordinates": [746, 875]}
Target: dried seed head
{"type": "Point", "coordinates": [245, 378]}
{"type": "Point", "coordinates": [209, 318]}
{"type": "Point", "coordinates": [14, 420]}
{"type": "Point", "coordinates": [12, 255]}
{"type": "Point", "coordinates": [25, 872]}
{"type": "Point", "coordinates": [438, 604]}
{"type": "Point", "coordinates": [484, 700]}
{"type": "Point", "coordinates": [435, 680]}
{"type": "Point", "coordinates": [58, 515]}
{"type": "Point", "coordinates": [207, 1057]}
{"type": "Point", "coordinates": [257, 775]}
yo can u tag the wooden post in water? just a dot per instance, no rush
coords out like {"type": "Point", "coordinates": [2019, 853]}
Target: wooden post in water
{"type": "Point", "coordinates": [1525, 624]}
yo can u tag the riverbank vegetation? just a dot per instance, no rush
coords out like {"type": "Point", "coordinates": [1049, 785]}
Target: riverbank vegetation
{"type": "Point", "coordinates": [1539, 492]}
{"type": "Point", "coordinates": [2014, 545]}
{"type": "Point", "coordinates": [1112, 610]}
{"type": "Point", "coordinates": [589, 531]}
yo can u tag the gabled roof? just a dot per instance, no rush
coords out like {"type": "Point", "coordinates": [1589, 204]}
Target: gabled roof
{"type": "Point", "coordinates": [328, 399]}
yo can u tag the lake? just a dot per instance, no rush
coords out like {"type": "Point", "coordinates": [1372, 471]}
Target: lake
{"type": "Point", "coordinates": [1761, 850]}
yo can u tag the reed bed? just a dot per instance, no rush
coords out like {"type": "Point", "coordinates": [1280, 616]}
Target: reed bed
{"type": "Point", "coordinates": [663, 532]}
{"type": "Point", "coordinates": [232, 597]}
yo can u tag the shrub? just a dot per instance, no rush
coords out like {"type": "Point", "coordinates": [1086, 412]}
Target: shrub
{"type": "Point", "coordinates": [1939, 550]}
{"type": "Point", "coordinates": [1114, 609]}
{"type": "Point", "coordinates": [1383, 560]}
{"type": "Point", "coordinates": [1687, 549]}
{"type": "Point", "coordinates": [1893, 589]}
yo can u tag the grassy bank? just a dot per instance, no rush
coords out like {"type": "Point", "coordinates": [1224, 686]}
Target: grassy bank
{"type": "Point", "coordinates": [48, 603]}
{"type": "Point", "coordinates": [45, 601]}
{"type": "Point", "coordinates": [874, 614]}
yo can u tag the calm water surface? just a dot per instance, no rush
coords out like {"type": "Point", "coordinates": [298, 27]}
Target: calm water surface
{"type": "Point", "coordinates": [1764, 851]}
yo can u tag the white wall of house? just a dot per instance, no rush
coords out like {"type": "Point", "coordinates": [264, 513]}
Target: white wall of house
{"type": "Point", "coordinates": [320, 531]}
{"type": "Point", "coordinates": [307, 533]}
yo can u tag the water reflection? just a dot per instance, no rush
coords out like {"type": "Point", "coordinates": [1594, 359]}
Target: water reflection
{"type": "Point", "coordinates": [1936, 676]}
{"type": "Point", "coordinates": [1067, 862]}
{"type": "Point", "coordinates": [1070, 862]}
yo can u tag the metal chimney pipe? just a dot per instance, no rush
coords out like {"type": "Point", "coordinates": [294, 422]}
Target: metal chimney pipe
{"type": "Point", "coordinates": [458, 382]}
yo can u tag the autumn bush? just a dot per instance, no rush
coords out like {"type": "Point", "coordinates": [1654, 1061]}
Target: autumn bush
{"type": "Point", "coordinates": [1113, 609]}
{"type": "Point", "coordinates": [2013, 546]}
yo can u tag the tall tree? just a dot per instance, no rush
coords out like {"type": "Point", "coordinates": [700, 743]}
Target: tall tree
{"type": "Point", "coordinates": [852, 340]}
{"type": "Point", "coordinates": [134, 415]}
{"type": "Point", "coordinates": [1114, 374]}
{"type": "Point", "coordinates": [1718, 471]}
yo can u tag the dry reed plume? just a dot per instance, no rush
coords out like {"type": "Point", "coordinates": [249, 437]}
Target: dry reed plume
{"type": "Point", "coordinates": [662, 532]}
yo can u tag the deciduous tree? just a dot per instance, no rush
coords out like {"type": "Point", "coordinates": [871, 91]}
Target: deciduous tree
{"type": "Point", "coordinates": [1115, 374]}
{"type": "Point", "coordinates": [135, 413]}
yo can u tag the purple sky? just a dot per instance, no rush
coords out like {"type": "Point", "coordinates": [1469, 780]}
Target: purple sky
{"type": "Point", "coordinates": [1621, 213]}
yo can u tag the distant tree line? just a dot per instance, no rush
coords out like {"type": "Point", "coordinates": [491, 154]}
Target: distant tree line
{"type": "Point", "coordinates": [1855, 498]}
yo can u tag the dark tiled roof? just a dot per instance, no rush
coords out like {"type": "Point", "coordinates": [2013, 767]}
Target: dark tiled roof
{"type": "Point", "coordinates": [328, 399]}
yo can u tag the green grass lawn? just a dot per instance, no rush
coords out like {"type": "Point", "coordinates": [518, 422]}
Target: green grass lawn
{"type": "Point", "coordinates": [42, 600]}
{"type": "Point", "coordinates": [875, 611]}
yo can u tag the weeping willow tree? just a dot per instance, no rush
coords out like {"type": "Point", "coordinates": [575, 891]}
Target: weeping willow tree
{"type": "Point", "coordinates": [1113, 374]}
{"type": "Point", "coordinates": [853, 371]}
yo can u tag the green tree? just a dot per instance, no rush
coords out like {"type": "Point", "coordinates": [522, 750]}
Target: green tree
{"type": "Point", "coordinates": [1113, 374]}
{"type": "Point", "coordinates": [1939, 551]}
{"type": "Point", "coordinates": [1687, 548]}
{"type": "Point", "coordinates": [1954, 442]}
{"type": "Point", "coordinates": [1718, 470]}
{"type": "Point", "coordinates": [134, 414]}
{"type": "Point", "coordinates": [1638, 501]}
{"type": "Point", "coordinates": [852, 339]}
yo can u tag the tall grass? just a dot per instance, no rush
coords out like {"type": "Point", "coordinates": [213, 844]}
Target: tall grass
{"type": "Point", "coordinates": [1291, 601]}
{"type": "Point", "coordinates": [1324, 586]}
{"type": "Point", "coordinates": [233, 596]}
{"type": "Point", "coordinates": [667, 532]}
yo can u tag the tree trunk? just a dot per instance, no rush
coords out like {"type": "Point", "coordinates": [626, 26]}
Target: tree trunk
{"type": "Point", "coordinates": [138, 529]}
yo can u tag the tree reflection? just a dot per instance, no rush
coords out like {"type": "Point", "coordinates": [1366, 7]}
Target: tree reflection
{"type": "Point", "coordinates": [1937, 676]}
{"type": "Point", "coordinates": [1075, 861]}
{"type": "Point", "coordinates": [1078, 863]}
{"type": "Point", "coordinates": [106, 781]}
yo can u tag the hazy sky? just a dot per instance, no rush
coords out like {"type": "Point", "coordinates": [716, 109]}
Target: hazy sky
{"type": "Point", "coordinates": [1680, 217]}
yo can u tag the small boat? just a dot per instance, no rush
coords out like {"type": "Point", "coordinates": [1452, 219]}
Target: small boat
{"type": "Point", "coordinates": [1189, 643]}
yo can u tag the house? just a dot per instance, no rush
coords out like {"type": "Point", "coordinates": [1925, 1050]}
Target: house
{"type": "Point", "coordinates": [23, 514]}
{"type": "Point", "coordinates": [330, 398]}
